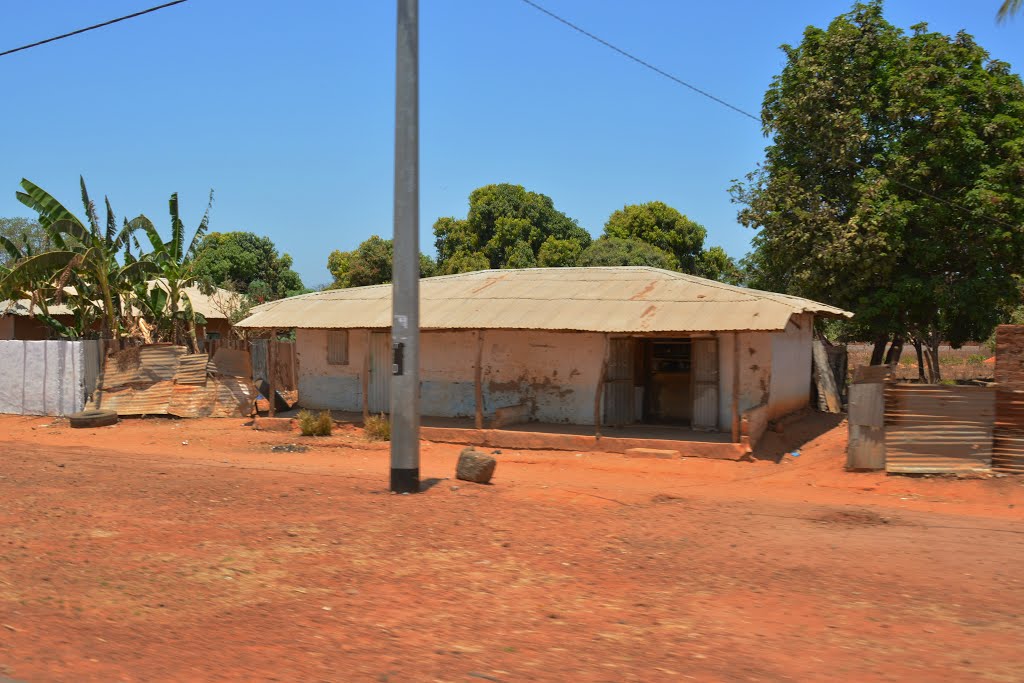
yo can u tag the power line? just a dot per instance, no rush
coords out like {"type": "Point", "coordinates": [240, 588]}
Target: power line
{"type": "Point", "coordinates": [636, 59]}
{"type": "Point", "coordinates": [90, 28]}
{"type": "Point", "coordinates": [708, 95]}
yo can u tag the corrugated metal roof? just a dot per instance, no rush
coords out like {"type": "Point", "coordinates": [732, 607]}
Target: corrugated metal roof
{"type": "Point", "coordinates": [214, 306]}
{"type": "Point", "coordinates": [622, 299]}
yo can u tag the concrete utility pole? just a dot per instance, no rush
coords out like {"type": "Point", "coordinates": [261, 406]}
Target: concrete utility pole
{"type": "Point", "coordinates": [405, 323]}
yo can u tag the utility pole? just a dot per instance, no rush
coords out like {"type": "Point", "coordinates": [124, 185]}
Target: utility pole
{"type": "Point", "coordinates": [405, 322]}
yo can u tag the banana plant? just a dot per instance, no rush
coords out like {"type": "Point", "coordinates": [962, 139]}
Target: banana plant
{"type": "Point", "coordinates": [176, 268]}
{"type": "Point", "coordinates": [85, 253]}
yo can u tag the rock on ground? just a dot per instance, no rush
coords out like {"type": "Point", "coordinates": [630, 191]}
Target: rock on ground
{"type": "Point", "coordinates": [475, 466]}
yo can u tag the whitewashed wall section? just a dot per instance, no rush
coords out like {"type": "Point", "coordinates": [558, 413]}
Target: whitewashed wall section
{"type": "Point", "coordinates": [46, 377]}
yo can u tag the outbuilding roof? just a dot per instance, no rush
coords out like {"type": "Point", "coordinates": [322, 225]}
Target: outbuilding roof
{"type": "Point", "coordinates": [604, 299]}
{"type": "Point", "coordinates": [217, 305]}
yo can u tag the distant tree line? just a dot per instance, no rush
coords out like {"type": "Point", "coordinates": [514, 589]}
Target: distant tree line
{"type": "Point", "coordinates": [508, 226]}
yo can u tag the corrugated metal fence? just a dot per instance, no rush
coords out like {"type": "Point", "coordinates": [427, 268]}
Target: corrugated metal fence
{"type": "Point", "coordinates": [932, 429]}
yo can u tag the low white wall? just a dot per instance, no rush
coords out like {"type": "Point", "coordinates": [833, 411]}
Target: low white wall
{"type": "Point", "coordinates": [43, 377]}
{"type": "Point", "coordinates": [790, 388]}
{"type": "Point", "coordinates": [554, 374]}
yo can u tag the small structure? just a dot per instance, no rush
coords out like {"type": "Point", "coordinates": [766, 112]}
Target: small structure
{"type": "Point", "coordinates": [599, 347]}
{"type": "Point", "coordinates": [18, 320]}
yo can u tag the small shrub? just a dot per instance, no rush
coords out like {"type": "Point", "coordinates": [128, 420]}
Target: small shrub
{"type": "Point", "coordinates": [378, 428]}
{"type": "Point", "coordinates": [315, 424]}
{"type": "Point", "coordinates": [975, 359]}
{"type": "Point", "coordinates": [948, 382]}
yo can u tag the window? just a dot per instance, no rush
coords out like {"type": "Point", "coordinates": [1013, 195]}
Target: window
{"type": "Point", "coordinates": [337, 347]}
{"type": "Point", "coordinates": [213, 336]}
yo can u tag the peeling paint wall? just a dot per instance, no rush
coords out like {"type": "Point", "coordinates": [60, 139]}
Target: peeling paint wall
{"type": "Point", "coordinates": [755, 372]}
{"type": "Point", "coordinates": [554, 374]}
{"type": "Point", "coordinates": [791, 367]}
{"type": "Point", "coordinates": [321, 385]}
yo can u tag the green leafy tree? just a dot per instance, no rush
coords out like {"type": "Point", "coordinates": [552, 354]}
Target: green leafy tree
{"type": "Point", "coordinates": [241, 258]}
{"type": "Point", "coordinates": [714, 264]}
{"type": "Point", "coordinates": [369, 264]}
{"type": "Point", "coordinates": [904, 205]}
{"type": "Point", "coordinates": [662, 226]}
{"type": "Point", "coordinates": [84, 255]}
{"type": "Point", "coordinates": [618, 251]}
{"type": "Point", "coordinates": [504, 222]}
{"type": "Point", "coordinates": [25, 235]}
{"type": "Point", "coordinates": [556, 253]}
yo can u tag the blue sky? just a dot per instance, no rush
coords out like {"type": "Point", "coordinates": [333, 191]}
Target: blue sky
{"type": "Point", "coordinates": [286, 109]}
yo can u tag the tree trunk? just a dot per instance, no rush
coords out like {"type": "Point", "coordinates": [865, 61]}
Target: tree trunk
{"type": "Point", "coordinates": [895, 351]}
{"type": "Point", "coordinates": [920, 360]}
{"type": "Point", "coordinates": [879, 351]}
{"type": "Point", "coordinates": [933, 343]}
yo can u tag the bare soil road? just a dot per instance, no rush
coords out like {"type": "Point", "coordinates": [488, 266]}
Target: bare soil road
{"type": "Point", "coordinates": [128, 554]}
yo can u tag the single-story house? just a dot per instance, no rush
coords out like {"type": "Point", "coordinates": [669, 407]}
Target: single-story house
{"type": "Point", "coordinates": [18, 321]}
{"type": "Point", "coordinates": [587, 346]}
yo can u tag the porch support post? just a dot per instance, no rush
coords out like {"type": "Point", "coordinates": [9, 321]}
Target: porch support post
{"type": "Point", "coordinates": [478, 379]}
{"type": "Point", "coordinates": [599, 394]}
{"type": "Point", "coordinates": [736, 387]}
{"type": "Point", "coordinates": [367, 337]}
{"type": "Point", "coordinates": [271, 358]}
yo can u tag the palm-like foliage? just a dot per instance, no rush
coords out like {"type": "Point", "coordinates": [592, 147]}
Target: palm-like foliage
{"type": "Point", "coordinates": [1008, 9]}
{"type": "Point", "coordinates": [84, 255]}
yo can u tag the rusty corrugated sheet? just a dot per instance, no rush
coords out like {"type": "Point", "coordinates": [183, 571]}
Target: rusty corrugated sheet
{"type": "Point", "coordinates": [620, 299]}
{"type": "Point", "coordinates": [192, 369]}
{"type": "Point", "coordinates": [164, 380]}
{"type": "Point", "coordinates": [936, 429]}
{"type": "Point", "coordinates": [232, 363]}
{"type": "Point", "coordinates": [1008, 443]}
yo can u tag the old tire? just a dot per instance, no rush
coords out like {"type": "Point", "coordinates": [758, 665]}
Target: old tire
{"type": "Point", "coordinates": [93, 418]}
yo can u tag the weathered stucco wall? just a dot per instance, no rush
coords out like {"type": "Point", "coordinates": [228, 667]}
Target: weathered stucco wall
{"type": "Point", "coordinates": [553, 374]}
{"type": "Point", "coordinates": [790, 388]}
{"type": "Point", "coordinates": [755, 365]}
{"type": "Point", "coordinates": [321, 385]}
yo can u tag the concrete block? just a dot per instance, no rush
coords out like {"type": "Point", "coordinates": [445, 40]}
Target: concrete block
{"type": "Point", "coordinates": [651, 453]}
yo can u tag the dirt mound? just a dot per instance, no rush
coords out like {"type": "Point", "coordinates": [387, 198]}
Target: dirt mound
{"type": "Point", "coordinates": [853, 518]}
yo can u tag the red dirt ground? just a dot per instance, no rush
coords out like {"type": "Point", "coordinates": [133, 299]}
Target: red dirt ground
{"type": "Point", "coordinates": [129, 554]}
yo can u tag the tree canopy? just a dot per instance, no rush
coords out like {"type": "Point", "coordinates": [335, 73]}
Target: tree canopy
{"type": "Point", "coordinates": [368, 264]}
{"type": "Point", "coordinates": [245, 260]}
{"type": "Point", "coordinates": [507, 227]}
{"type": "Point", "coordinates": [904, 205]}
{"type": "Point", "coordinates": [618, 251]}
{"type": "Point", "coordinates": [26, 236]}
{"type": "Point", "coordinates": [662, 226]}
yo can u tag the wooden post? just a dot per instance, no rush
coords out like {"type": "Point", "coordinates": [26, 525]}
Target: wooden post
{"type": "Point", "coordinates": [599, 394]}
{"type": "Point", "coordinates": [478, 379]}
{"type": "Point", "coordinates": [736, 387]}
{"type": "Point", "coordinates": [270, 372]}
{"type": "Point", "coordinates": [366, 377]}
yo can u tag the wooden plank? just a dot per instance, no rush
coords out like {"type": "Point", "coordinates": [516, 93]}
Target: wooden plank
{"type": "Point", "coordinates": [828, 395]}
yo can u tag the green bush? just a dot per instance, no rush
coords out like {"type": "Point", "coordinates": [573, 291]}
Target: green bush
{"type": "Point", "coordinates": [975, 359]}
{"type": "Point", "coordinates": [315, 424]}
{"type": "Point", "coordinates": [378, 428]}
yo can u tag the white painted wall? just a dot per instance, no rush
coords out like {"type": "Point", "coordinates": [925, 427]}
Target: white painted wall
{"type": "Point", "coordinates": [755, 372]}
{"type": "Point", "coordinates": [790, 387]}
{"type": "Point", "coordinates": [337, 387]}
{"type": "Point", "coordinates": [42, 377]}
{"type": "Point", "coordinates": [555, 374]}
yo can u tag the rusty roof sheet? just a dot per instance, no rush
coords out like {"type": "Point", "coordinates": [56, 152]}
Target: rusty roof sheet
{"type": "Point", "coordinates": [612, 299]}
{"type": "Point", "coordinates": [217, 305]}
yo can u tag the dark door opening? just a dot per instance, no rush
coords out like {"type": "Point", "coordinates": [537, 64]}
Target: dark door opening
{"type": "Point", "coordinates": [668, 386]}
